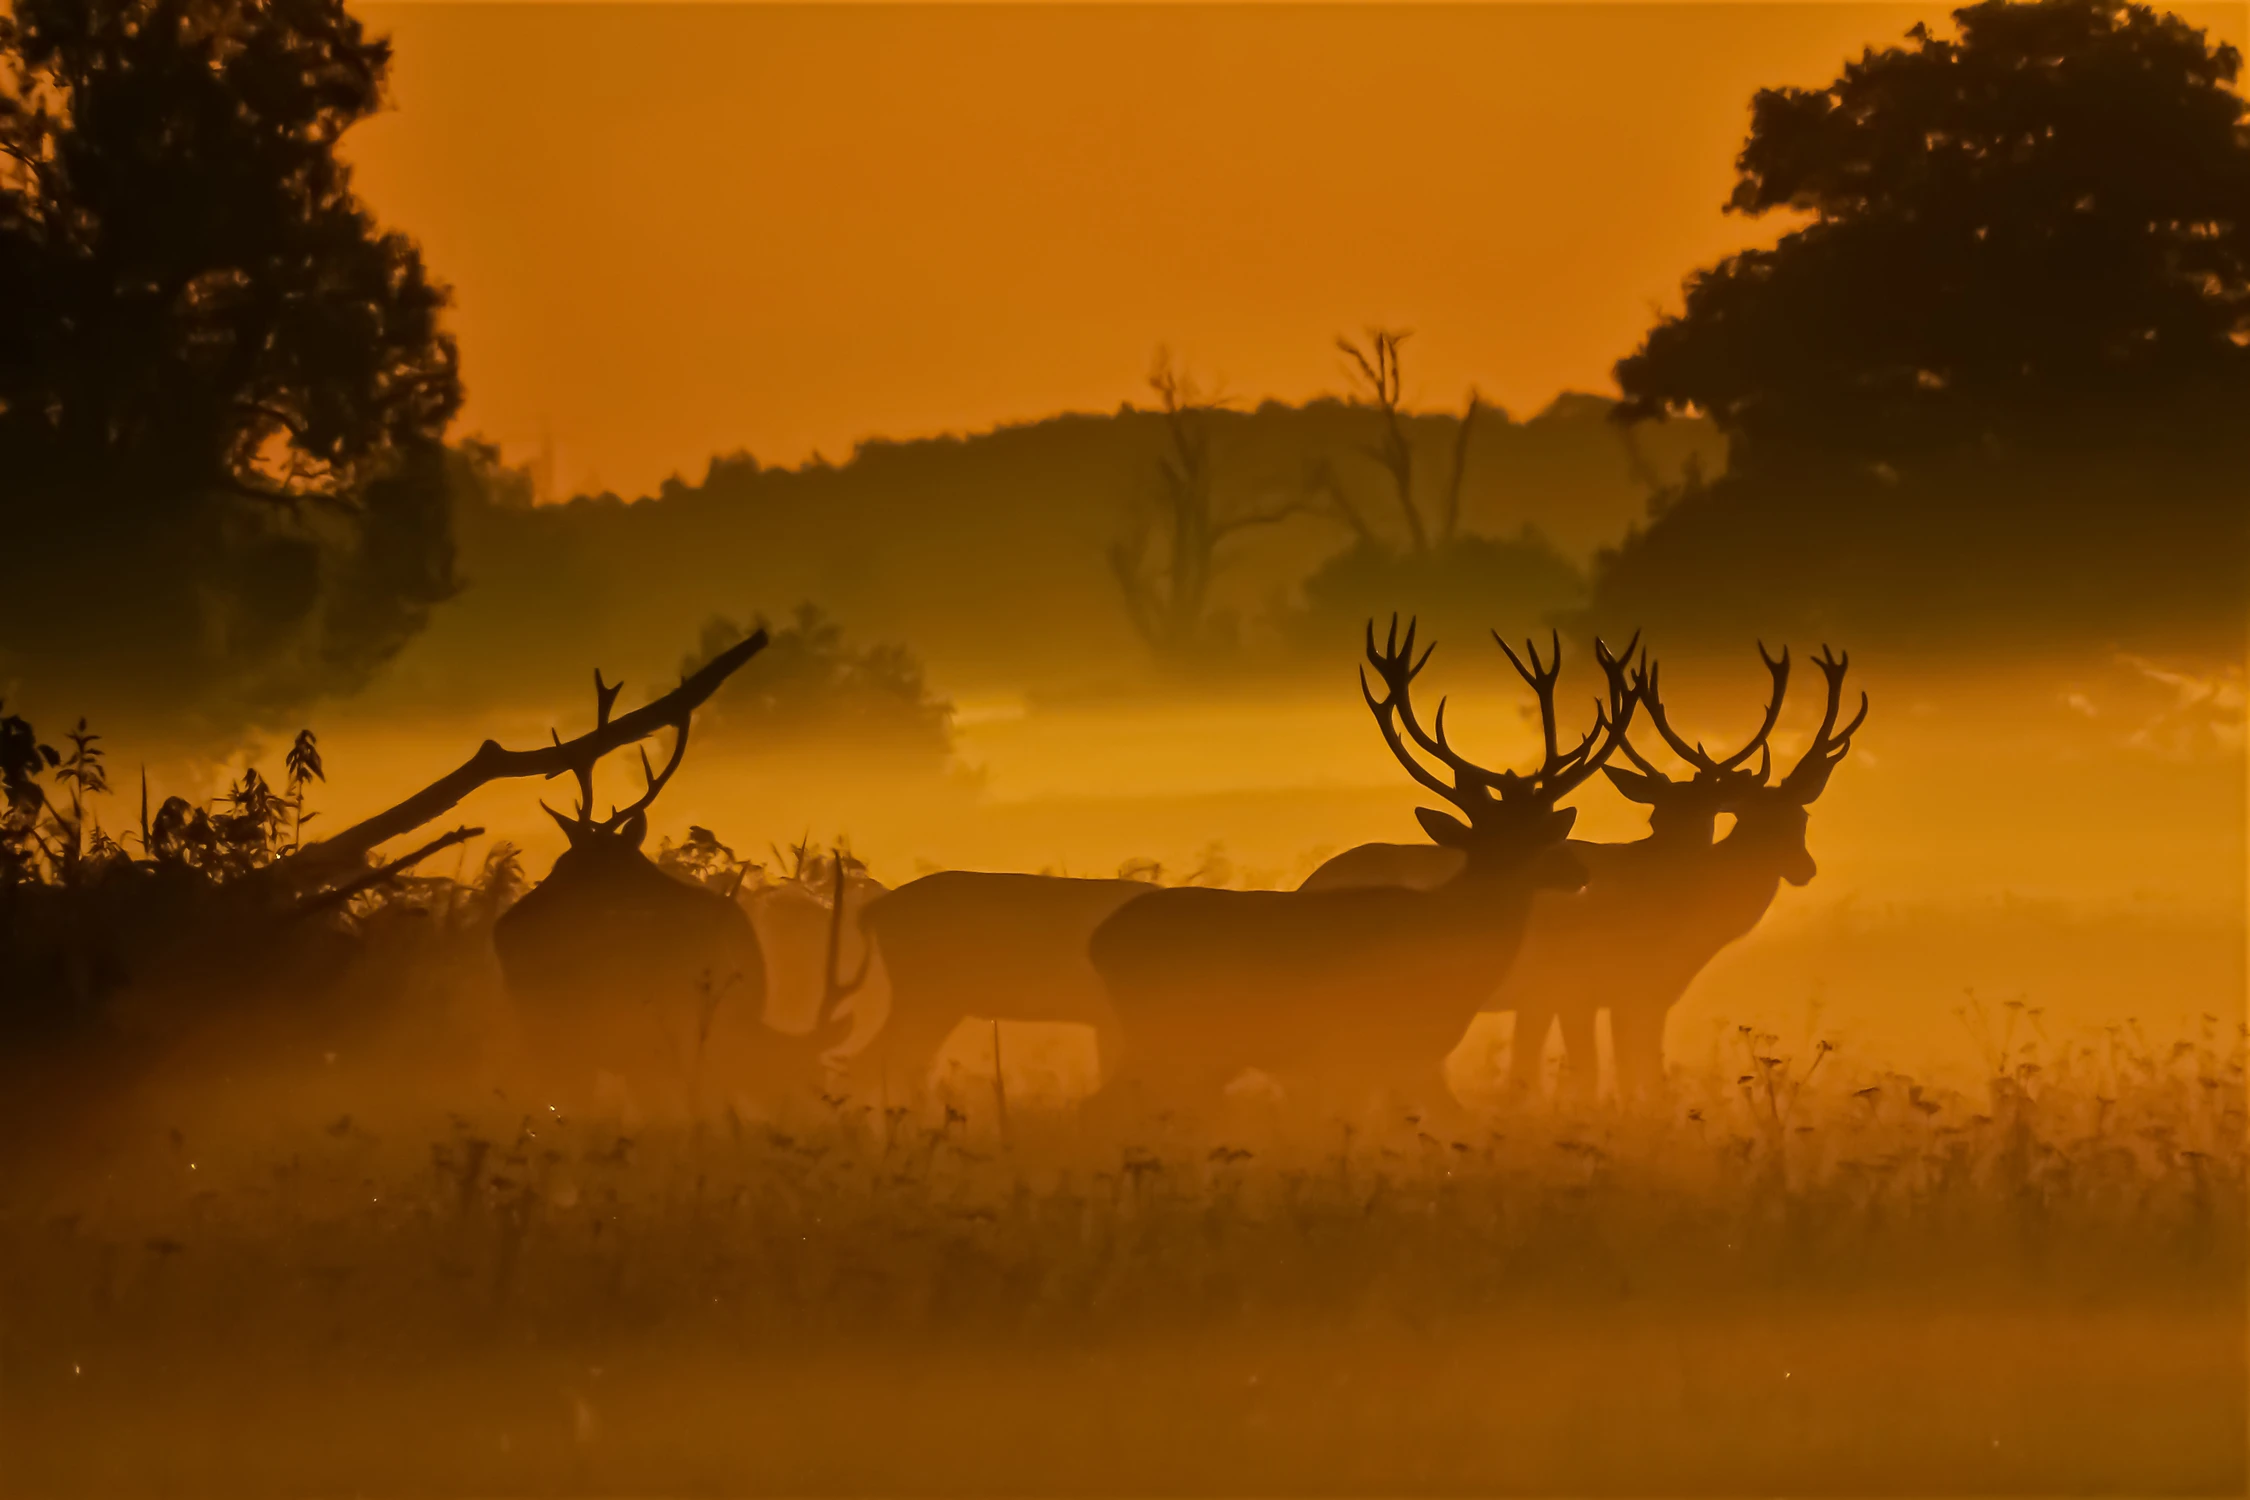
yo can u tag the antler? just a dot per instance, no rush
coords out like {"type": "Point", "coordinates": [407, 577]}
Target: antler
{"type": "Point", "coordinates": [343, 855]}
{"type": "Point", "coordinates": [1475, 787]}
{"type": "Point", "coordinates": [1561, 774]}
{"type": "Point", "coordinates": [1472, 784]}
{"type": "Point", "coordinates": [655, 782]}
{"type": "Point", "coordinates": [1810, 775]}
{"type": "Point", "coordinates": [581, 766]}
{"type": "Point", "coordinates": [1696, 755]}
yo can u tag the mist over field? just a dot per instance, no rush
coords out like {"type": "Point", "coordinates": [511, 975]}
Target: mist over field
{"type": "Point", "coordinates": [1249, 819]}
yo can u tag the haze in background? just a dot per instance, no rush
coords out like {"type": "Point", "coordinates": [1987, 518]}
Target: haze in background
{"type": "Point", "coordinates": [676, 231]}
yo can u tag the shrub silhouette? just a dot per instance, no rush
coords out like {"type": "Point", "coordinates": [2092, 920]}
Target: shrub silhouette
{"type": "Point", "coordinates": [812, 686]}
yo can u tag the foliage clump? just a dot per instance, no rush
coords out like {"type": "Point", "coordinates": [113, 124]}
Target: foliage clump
{"type": "Point", "coordinates": [811, 686]}
{"type": "Point", "coordinates": [218, 362]}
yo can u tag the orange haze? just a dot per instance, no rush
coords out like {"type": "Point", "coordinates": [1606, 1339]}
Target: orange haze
{"type": "Point", "coordinates": [677, 230]}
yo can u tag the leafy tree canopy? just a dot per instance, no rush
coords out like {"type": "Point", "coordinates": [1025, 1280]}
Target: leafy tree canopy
{"type": "Point", "coordinates": [812, 685]}
{"type": "Point", "coordinates": [1995, 379]}
{"type": "Point", "coordinates": [2041, 220]}
{"type": "Point", "coordinates": [222, 384]}
{"type": "Point", "coordinates": [1459, 589]}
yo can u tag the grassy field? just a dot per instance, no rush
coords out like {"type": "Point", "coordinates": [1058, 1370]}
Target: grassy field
{"type": "Point", "coordinates": [1802, 1281]}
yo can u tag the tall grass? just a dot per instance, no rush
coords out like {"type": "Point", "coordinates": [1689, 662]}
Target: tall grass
{"type": "Point", "coordinates": [1796, 1279]}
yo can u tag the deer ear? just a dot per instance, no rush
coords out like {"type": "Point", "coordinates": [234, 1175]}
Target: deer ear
{"type": "Point", "coordinates": [1443, 828]}
{"type": "Point", "coordinates": [634, 830]}
{"type": "Point", "coordinates": [1636, 786]}
{"type": "Point", "coordinates": [1560, 822]}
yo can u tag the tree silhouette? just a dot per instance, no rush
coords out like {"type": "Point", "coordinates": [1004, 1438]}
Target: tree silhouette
{"type": "Point", "coordinates": [1997, 376]}
{"type": "Point", "coordinates": [811, 685]}
{"type": "Point", "coordinates": [223, 384]}
{"type": "Point", "coordinates": [1378, 378]}
{"type": "Point", "coordinates": [1170, 549]}
{"type": "Point", "coordinates": [2038, 228]}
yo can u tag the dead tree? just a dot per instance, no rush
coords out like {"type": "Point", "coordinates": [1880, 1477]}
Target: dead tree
{"type": "Point", "coordinates": [1376, 370]}
{"type": "Point", "coordinates": [1166, 559]}
{"type": "Point", "coordinates": [317, 868]}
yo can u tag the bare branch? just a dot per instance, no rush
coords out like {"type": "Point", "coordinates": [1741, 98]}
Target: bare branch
{"type": "Point", "coordinates": [1320, 480]}
{"type": "Point", "coordinates": [1460, 466]}
{"type": "Point", "coordinates": [339, 895]}
{"type": "Point", "coordinates": [1382, 372]}
{"type": "Point", "coordinates": [1227, 525]}
{"type": "Point", "coordinates": [319, 862]}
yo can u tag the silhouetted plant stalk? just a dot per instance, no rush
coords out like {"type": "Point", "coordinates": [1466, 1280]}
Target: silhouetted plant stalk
{"type": "Point", "coordinates": [840, 1217]}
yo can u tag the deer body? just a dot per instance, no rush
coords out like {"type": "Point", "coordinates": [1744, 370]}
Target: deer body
{"type": "Point", "coordinates": [1418, 867]}
{"type": "Point", "coordinates": [619, 968]}
{"type": "Point", "coordinates": [1326, 991]}
{"type": "Point", "coordinates": [1000, 947]}
{"type": "Point", "coordinates": [1649, 921]}
{"type": "Point", "coordinates": [617, 965]}
{"type": "Point", "coordinates": [1369, 985]}
{"type": "Point", "coordinates": [1655, 912]}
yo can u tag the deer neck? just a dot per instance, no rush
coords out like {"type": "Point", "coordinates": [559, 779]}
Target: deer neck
{"type": "Point", "coordinates": [1742, 881]}
{"type": "Point", "coordinates": [1485, 907]}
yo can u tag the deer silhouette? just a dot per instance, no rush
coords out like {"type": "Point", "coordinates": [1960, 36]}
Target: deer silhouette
{"type": "Point", "coordinates": [621, 968]}
{"type": "Point", "coordinates": [1654, 912]}
{"type": "Point", "coordinates": [1338, 991]}
{"type": "Point", "coordinates": [997, 946]}
{"type": "Point", "coordinates": [1683, 896]}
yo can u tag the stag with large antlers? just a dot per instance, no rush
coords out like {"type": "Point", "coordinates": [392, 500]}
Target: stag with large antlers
{"type": "Point", "coordinates": [1656, 911]}
{"type": "Point", "coordinates": [1346, 990]}
{"type": "Point", "coordinates": [624, 969]}
{"type": "Point", "coordinates": [1681, 896]}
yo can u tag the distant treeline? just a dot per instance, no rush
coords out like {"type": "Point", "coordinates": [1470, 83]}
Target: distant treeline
{"type": "Point", "coordinates": [990, 555]}
{"type": "Point", "coordinates": [1986, 392]}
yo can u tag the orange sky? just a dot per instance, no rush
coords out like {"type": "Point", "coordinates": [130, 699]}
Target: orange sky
{"type": "Point", "coordinates": [680, 229]}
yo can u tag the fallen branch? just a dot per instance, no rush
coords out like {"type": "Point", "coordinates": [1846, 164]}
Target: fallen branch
{"type": "Point", "coordinates": [319, 863]}
{"type": "Point", "coordinates": [373, 878]}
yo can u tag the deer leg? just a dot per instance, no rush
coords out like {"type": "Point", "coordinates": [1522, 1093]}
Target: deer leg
{"type": "Point", "coordinates": [1536, 1027]}
{"type": "Point", "coordinates": [1109, 1048]}
{"type": "Point", "coordinates": [1527, 1051]}
{"type": "Point", "coordinates": [1581, 1061]}
{"type": "Point", "coordinates": [1637, 1038]}
{"type": "Point", "coordinates": [1154, 1086]}
{"type": "Point", "coordinates": [902, 1053]}
{"type": "Point", "coordinates": [1443, 1117]}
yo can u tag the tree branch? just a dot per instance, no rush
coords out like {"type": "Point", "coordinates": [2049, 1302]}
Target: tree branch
{"type": "Point", "coordinates": [341, 894]}
{"type": "Point", "coordinates": [1460, 466]}
{"type": "Point", "coordinates": [281, 496]}
{"type": "Point", "coordinates": [318, 863]}
{"type": "Point", "coordinates": [1320, 479]}
{"type": "Point", "coordinates": [1282, 512]}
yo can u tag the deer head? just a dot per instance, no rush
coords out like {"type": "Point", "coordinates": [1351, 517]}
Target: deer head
{"type": "Point", "coordinates": [621, 834]}
{"type": "Point", "coordinates": [1687, 812]}
{"type": "Point", "coordinates": [1508, 820]}
{"type": "Point", "coordinates": [1770, 817]}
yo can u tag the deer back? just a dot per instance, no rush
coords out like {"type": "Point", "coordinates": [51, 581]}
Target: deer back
{"type": "Point", "coordinates": [1416, 866]}
{"type": "Point", "coordinates": [1001, 945]}
{"type": "Point", "coordinates": [607, 924]}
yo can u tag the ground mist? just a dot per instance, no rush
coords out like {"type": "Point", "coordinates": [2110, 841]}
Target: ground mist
{"type": "Point", "coordinates": [1797, 1279]}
